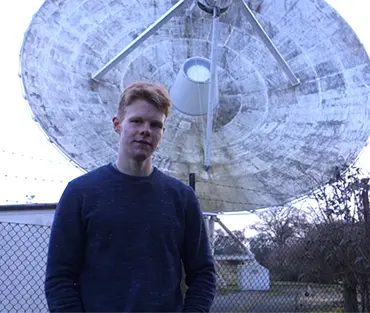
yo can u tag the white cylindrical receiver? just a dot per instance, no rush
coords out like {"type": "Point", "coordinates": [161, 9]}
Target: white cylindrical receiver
{"type": "Point", "coordinates": [190, 91]}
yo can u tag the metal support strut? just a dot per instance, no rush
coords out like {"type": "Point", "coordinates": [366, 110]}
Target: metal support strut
{"type": "Point", "coordinates": [269, 44]}
{"type": "Point", "coordinates": [140, 39]}
{"type": "Point", "coordinates": [212, 88]}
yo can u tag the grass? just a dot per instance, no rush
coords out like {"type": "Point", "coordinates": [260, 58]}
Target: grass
{"type": "Point", "coordinates": [229, 290]}
{"type": "Point", "coordinates": [325, 298]}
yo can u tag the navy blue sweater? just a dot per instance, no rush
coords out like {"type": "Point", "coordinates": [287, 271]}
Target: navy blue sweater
{"type": "Point", "coordinates": [117, 242]}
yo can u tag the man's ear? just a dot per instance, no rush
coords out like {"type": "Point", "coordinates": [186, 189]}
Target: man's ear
{"type": "Point", "coordinates": [164, 125]}
{"type": "Point", "coordinates": [116, 124]}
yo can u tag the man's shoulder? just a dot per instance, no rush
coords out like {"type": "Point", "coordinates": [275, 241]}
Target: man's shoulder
{"type": "Point", "coordinates": [91, 177]}
{"type": "Point", "coordinates": [173, 181]}
{"type": "Point", "coordinates": [176, 186]}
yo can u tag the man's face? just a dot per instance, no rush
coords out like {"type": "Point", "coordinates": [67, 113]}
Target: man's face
{"type": "Point", "coordinates": [140, 130]}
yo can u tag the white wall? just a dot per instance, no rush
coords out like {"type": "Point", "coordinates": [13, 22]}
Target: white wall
{"type": "Point", "coordinates": [33, 217]}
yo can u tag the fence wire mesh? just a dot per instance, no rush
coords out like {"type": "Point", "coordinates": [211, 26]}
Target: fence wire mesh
{"type": "Point", "coordinates": [267, 282]}
{"type": "Point", "coordinates": [244, 284]}
{"type": "Point", "coordinates": [22, 267]}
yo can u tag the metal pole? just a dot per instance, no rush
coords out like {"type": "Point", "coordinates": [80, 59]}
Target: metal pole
{"type": "Point", "coordinates": [231, 234]}
{"type": "Point", "coordinates": [211, 233]}
{"type": "Point", "coordinates": [140, 39]}
{"type": "Point", "coordinates": [192, 180]}
{"type": "Point", "coordinates": [365, 201]}
{"type": "Point", "coordinates": [212, 88]}
{"type": "Point", "coordinates": [269, 44]}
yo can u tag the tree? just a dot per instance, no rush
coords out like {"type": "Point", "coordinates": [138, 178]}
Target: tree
{"type": "Point", "coordinates": [261, 247]}
{"type": "Point", "coordinates": [226, 245]}
{"type": "Point", "coordinates": [337, 246]}
{"type": "Point", "coordinates": [332, 248]}
{"type": "Point", "coordinates": [281, 225]}
{"type": "Point", "coordinates": [278, 231]}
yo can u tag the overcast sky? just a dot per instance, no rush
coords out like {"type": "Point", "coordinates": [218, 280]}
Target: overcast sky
{"type": "Point", "coordinates": [31, 168]}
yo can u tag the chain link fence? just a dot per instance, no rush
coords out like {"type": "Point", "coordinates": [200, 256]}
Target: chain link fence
{"type": "Point", "coordinates": [244, 284]}
{"type": "Point", "coordinates": [22, 266]}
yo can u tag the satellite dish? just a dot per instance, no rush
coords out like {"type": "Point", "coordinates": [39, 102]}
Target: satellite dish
{"type": "Point", "coordinates": [293, 82]}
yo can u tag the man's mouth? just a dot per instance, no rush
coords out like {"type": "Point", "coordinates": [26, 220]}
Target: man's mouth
{"type": "Point", "coordinates": [143, 142]}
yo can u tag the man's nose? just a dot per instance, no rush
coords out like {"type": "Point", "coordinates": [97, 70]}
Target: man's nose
{"type": "Point", "coordinates": [145, 129]}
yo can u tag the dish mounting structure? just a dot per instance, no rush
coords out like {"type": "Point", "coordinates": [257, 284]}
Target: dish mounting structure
{"type": "Point", "coordinates": [214, 8]}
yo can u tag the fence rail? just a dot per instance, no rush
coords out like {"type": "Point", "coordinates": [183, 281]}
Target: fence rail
{"type": "Point", "coordinates": [243, 284]}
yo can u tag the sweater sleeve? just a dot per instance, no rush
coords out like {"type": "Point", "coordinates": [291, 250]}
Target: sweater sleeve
{"type": "Point", "coordinates": [65, 254]}
{"type": "Point", "coordinates": [200, 275]}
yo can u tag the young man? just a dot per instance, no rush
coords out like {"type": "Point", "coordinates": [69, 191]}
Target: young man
{"type": "Point", "coordinates": [121, 232]}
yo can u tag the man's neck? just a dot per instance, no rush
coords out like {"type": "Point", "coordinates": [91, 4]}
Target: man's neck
{"type": "Point", "coordinates": [134, 168]}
